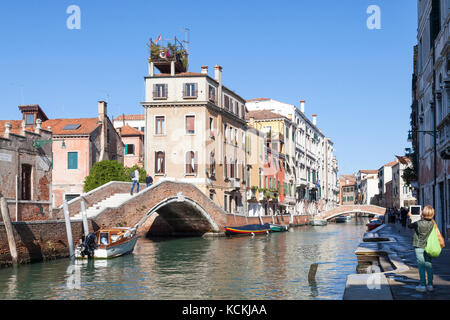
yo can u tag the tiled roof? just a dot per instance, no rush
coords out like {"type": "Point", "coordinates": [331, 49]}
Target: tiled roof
{"type": "Point", "coordinates": [403, 160]}
{"type": "Point", "coordinates": [87, 126]}
{"type": "Point", "coordinates": [390, 164]}
{"type": "Point", "coordinates": [263, 115]}
{"type": "Point", "coordinates": [368, 171]}
{"type": "Point", "coordinates": [130, 117]}
{"type": "Point", "coordinates": [130, 131]}
{"type": "Point", "coordinates": [16, 126]}
{"type": "Point", "coordinates": [258, 99]}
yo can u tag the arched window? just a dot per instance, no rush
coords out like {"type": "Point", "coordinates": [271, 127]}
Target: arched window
{"type": "Point", "coordinates": [191, 162]}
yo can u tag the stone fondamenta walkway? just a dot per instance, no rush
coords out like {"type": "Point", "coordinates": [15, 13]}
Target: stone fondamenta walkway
{"type": "Point", "coordinates": [403, 284]}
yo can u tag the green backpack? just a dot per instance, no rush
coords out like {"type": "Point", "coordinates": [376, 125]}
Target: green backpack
{"type": "Point", "coordinates": [433, 247]}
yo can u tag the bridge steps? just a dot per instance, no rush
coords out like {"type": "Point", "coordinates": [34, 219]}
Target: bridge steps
{"type": "Point", "coordinates": [114, 201]}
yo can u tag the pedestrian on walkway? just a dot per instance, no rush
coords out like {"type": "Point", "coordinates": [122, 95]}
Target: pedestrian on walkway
{"type": "Point", "coordinates": [403, 216]}
{"type": "Point", "coordinates": [422, 230]}
{"type": "Point", "coordinates": [135, 179]}
{"type": "Point", "coordinates": [148, 180]}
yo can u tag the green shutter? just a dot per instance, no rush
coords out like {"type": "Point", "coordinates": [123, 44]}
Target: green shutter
{"type": "Point", "coordinates": [72, 160]}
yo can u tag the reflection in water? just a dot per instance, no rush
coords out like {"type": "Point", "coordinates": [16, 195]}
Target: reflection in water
{"type": "Point", "coordinates": [263, 267]}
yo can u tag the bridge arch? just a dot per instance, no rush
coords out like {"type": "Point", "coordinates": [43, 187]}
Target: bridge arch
{"type": "Point", "coordinates": [195, 219]}
{"type": "Point", "coordinates": [348, 209]}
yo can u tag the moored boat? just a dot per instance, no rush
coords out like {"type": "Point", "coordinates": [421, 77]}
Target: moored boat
{"type": "Point", "coordinates": [318, 222]}
{"type": "Point", "coordinates": [107, 243]}
{"type": "Point", "coordinates": [278, 227]}
{"type": "Point", "coordinates": [340, 219]}
{"type": "Point", "coordinates": [249, 230]}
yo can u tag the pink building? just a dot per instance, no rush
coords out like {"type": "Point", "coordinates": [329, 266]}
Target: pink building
{"type": "Point", "coordinates": [133, 141]}
{"type": "Point", "coordinates": [77, 144]}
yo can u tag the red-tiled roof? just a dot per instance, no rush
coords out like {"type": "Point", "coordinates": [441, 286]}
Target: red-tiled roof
{"type": "Point", "coordinates": [263, 115]}
{"type": "Point", "coordinates": [87, 126]}
{"type": "Point", "coordinates": [368, 171]}
{"type": "Point", "coordinates": [390, 164]}
{"type": "Point", "coordinates": [16, 126]}
{"type": "Point", "coordinates": [129, 131]}
{"type": "Point", "coordinates": [403, 160]}
{"type": "Point", "coordinates": [258, 99]}
{"type": "Point", "coordinates": [130, 117]}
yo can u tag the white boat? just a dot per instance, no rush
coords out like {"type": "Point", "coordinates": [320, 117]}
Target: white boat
{"type": "Point", "coordinates": [318, 222]}
{"type": "Point", "coordinates": [107, 243]}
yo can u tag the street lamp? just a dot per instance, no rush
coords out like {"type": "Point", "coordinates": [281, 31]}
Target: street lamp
{"type": "Point", "coordinates": [40, 143]}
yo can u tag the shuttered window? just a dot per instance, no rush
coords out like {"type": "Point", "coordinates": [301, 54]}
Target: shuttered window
{"type": "Point", "coordinates": [129, 149]}
{"type": "Point", "coordinates": [72, 160]}
{"type": "Point", "coordinates": [159, 125]}
{"type": "Point", "coordinates": [190, 124]}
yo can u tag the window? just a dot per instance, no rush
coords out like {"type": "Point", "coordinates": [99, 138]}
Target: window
{"type": "Point", "coordinates": [190, 124]}
{"type": "Point", "coordinates": [129, 149]}
{"type": "Point", "coordinates": [212, 164]}
{"type": "Point", "coordinates": [29, 119]}
{"type": "Point", "coordinates": [225, 168]}
{"type": "Point", "coordinates": [227, 103]}
{"type": "Point", "coordinates": [190, 90]}
{"type": "Point", "coordinates": [26, 181]}
{"type": "Point", "coordinates": [159, 162]}
{"type": "Point", "coordinates": [232, 169]}
{"type": "Point", "coordinates": [225, 131]}
{"type": "Point", "coordinates": [191, 162]}
{"type": "Point", "coordinates": [69, 197]}
{"type": "Point", "coordinates": [72, 160]}
{"type": "Point", "coordinates": [160, 91]}
{"type": "Point", "coordinates": [143, 129]}
{"type": "Point", "coordinates": [211, 127]}
{"type": "Point", "coordinates": [212, 94]}
{"type": "Point", "coordinates": [159, 124]}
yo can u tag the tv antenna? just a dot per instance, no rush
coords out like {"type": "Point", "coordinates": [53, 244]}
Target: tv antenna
{"type": "Point", "coordinates": [186, 40]}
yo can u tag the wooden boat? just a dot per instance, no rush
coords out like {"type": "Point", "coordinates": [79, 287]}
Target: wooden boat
{"type": "Point", "coordinates": [107, 243]}
{"type": "Point", "coordinates": [248, 230]}
{"type": "Point", "coordinates": [318, 222]}
{"type": "Point", "coordinates": [278, 227]}
{"type": "Point", "coordinates": [340, 219]}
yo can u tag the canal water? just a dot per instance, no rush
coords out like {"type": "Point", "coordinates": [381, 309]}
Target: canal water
{"type": "Point", "coordinates": [271, 266]}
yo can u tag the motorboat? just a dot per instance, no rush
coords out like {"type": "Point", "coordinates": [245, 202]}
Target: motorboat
{"type": "Point", "coordinates": [278, 227]}
{"type": "Point", "coordinates": [318, 222]}
{"type": "Point", "coordinates": [107, 243]}
{"type": "Point", "coordinates": [340, 219]}
{"type": "Point", "coordinates": [248, 230]}
{"type": "Point", "coordinates": [374, 223]}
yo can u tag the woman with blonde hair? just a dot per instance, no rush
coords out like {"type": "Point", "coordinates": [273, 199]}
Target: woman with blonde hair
{"type": "Point", "coordinates": [422, 230]}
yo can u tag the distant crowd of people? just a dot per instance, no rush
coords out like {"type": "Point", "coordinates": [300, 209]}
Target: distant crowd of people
{"type": "Point", "coordinates": [393, 215]}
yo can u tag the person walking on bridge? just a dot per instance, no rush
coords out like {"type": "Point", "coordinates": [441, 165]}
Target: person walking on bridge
{"type": "Point", "coordinates": [135, 179]}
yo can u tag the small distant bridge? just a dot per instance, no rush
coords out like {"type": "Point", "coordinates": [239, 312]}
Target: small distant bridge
{"type": "Point", "coordinates": [352, 209]}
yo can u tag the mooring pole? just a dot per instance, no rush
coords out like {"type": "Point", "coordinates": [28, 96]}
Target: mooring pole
{"type": "Point", "coordinates": [84, 215]}
{"type": "Point", "coordinates": [312, 272]}
{"type": "Point", "coordinates": [9, 229]}
{"type": "Point", "coordinates": [68, 227]}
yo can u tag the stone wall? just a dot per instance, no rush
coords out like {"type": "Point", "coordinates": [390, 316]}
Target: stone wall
{"type": "Point", "coordinates": [37, 241]}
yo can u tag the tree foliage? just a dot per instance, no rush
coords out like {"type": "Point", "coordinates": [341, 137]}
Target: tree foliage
{"type": "Point", "coordinates": [109, 170]}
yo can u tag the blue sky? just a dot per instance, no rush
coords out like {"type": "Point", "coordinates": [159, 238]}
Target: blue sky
{"type": "Point", "coordinates": [357, 80]}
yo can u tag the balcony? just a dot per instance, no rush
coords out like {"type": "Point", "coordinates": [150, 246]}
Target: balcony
{"type": "Point", "coordinates": [235, 183]}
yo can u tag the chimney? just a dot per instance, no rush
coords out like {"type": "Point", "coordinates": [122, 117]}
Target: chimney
{"type": "Point", "coordinates": [205, 69]}
{"type": "Point", "coordinates": [302, 106]}
{"type": "Point", "coordinates": [102, 114]}
{"type": "Point", "coordinates": [218, 74]}
{"type": "Point", "coordinates": [23, 127]}
{"type": "Point", "coordinates": [8, 127]}
{"type": "Point", "coordinates": [38, 126]}
{"type": "Point", "coordinates": [172, 68]}
{"type": "Point", "coordinates": [314, 116]}
{"type": "Point", "coordinates": [102, 110]}
{"type": "Point", "coordinates": [218, 78]}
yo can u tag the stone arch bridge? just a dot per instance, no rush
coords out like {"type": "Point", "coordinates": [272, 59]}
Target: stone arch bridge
{"type": "Point", "coordinates": [352, 209]}
{"type": "Point", "coordinates": [182, 209]}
